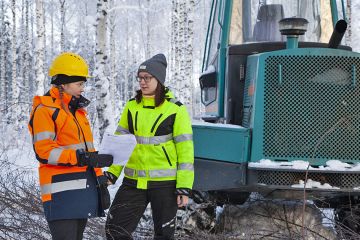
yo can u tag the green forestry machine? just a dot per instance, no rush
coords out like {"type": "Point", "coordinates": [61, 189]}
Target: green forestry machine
{"type": "Point", "coordinates": [282, 103]}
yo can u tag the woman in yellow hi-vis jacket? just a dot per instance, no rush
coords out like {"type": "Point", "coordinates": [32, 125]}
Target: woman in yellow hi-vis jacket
{"type": "Point", "coordinates": [73, 187]}
{"type": "Point", "coordinates": [160, 171]}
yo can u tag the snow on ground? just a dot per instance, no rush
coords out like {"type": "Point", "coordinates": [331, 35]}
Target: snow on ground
{"type": "Point", "coordinates": [16, 147]}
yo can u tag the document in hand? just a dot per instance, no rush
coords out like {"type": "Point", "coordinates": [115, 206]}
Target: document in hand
{"type": "Point", "coordinates": [120, 146]}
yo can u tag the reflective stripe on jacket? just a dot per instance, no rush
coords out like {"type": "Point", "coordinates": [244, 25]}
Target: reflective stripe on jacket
{"type": "Point", "coordinates": [67, 191]}
{"type": "Point", "coordinates": [164, 149]}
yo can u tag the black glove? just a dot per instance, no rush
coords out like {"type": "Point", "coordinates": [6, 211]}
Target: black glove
{"type": "Point", "coordinates": [183, 191]}
{"type": "Point", "coordinates": [111, 177]}
{"type": "Point", "coordinates": [93, 159]}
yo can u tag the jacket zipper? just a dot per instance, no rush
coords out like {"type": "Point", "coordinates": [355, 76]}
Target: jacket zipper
{"type": "Point", "coordinates": [156, 121]}
{"type": "Point", "coordinates": [167, 156]}
{"type": "Point", "coordinates": [80, 129]}
{"type": "Point", "coordinates": [136, 117]}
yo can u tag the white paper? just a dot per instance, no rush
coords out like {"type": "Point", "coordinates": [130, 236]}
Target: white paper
{"type": "Point", "coordinates": [120, 146]}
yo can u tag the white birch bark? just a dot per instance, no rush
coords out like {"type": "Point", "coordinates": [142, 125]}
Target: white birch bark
{"type": "Point", "coordinates": [25, 55]}
{"type": "Point", "coordinates": [103, 108]}
{"type": "Point", "coordinates": [52, 46]}
{"type": "Point", "coordinates": [126, 64]}
{"type": "Point", "coordinates": [171, 59]}
{"type": "Point", "coordinates": [14, 87]}
{"type": "Point", "coordinates": [44, 67]}
{"type": "Point", "coordinates": [112, 27]}
{"type": "Point", "coordinates": [348, 15]}
{"type": "Point", "coordinates": [182, 36]}
{"type": "Point", "coordinates": [174, 63]}
{"type": "Point", "coordinates": [62, 24]}
{"type": "Point", "coordinates": [189, 40]}
{"type": "Point", "coordinates": [148, 31]}
{"type": "Point", "coordinates": [27, 58]}
{"type": "Point", "coordinates": [180, 49]}
{"type": "Point", "coordinates": [40, 49]}
{"type": "Point", "coordinates": [2, 56]}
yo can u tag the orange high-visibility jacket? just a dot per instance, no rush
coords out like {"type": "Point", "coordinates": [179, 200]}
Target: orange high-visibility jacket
{"type": "Point", "coordinates": [67, 191]}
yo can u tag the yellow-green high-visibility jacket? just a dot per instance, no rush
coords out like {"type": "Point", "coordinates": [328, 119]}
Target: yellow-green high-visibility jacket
{"type": "Point", "coordinates": [164, 149]}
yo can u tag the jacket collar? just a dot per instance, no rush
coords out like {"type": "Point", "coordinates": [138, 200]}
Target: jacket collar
{"type": "Point", "coordinates": [150, 100]}
{"type": "Point", "coordinates": [52, 99]}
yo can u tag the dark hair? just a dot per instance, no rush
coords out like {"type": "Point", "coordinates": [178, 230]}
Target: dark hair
{"type": "Point", "coordinates": [160, 94]}
{"type": "Point", "coordinates": [61, 93]}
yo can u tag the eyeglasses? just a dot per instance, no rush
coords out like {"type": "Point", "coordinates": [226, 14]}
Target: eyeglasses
{"type": "Point", "coordinates": [147, 79]}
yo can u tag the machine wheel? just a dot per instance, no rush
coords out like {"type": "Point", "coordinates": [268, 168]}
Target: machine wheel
{"type": "Point", "coordinates": [235, 198]}
{"type": "Point", "coordinates": [347, 218]}
{"type": "Point", "coordinates": [347, 222]}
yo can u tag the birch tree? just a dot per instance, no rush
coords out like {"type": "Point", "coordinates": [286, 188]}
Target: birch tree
{"type": "Point", "coordinates": [112, 27]}
{"type": "Point", "coordinates": [62, 22]}
{"type": "Point", "coordinates": [186, 86]}
{"type": "Point", "coordinates": [2, 55]}
{"type": "Point", "coordinates": [348, 15]}
{"type": "Point", "coordinates": [14, 83]}
{"type": "Point", "coordinates": [40, 49]}
{"type": "Point", "coordinates": [182, 35]}
{"type": "Point", "coordinates": [104, 114]}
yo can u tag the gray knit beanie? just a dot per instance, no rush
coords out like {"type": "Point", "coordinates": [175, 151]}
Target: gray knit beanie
{"type": "Point", "coordinates": [156, 66]}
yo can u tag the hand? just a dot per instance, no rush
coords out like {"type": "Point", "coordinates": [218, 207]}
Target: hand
{"type": "Point", "coordinates": [93, 159]}
{"type": "Point", "coordinates": [111, 178]}
{"type": "Point", "coordinates": [182, 200]}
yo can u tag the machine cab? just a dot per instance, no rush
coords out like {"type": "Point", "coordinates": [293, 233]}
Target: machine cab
{"type": "Point", "coordinates": [239, 28]}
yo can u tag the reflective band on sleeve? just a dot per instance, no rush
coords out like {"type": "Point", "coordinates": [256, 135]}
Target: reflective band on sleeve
{"type": "Point", "coordinates": [154, 140]}
{"type": "Point", "coordinates": [41, 105]}
{"type": "Point", "coordinates": [121, 130]}
{"type": "Point", "coordinates": [129, 172]}
{"type": "Point", "coordinates": [54, 156]}
{"type": "Point", "coordinates": [43, 135]}
{"type": "Point", "coordinates": [75, 146]}
{"type": "Point", "coordinates": [63, 186]}
{"type": "Point", "coordinates": [162, 173]}
{"type": "Point", "coordinates": [183, 137]}
{"type": "Point", "coordinates": [186, 166]}
{"type": "Point", "coordinates": [132, 172]}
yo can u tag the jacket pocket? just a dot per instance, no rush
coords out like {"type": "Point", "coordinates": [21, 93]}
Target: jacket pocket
{"type": "Point", "coordinates": [104, 196]}
{"type": "Point", "coordinates": [166, 154]}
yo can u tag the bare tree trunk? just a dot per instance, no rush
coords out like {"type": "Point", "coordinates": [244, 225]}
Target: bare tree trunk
{"type": "Point", "coordinates": [182, 36]}
{"type": "Point", "coordinates": [62, 22]}
{"type": "Point", "coordinates": [148, 31]}
{"type": "Point", "coordinates": [14, 84]}
{"type": "Point", "coordinates": [40, 52]}
{"type": "Point", "coordinates": [126, 63]}
{"type": "Point", "coordinates": [27, 58]}
{"type": "Point", "coordinates": [101, 79]}
{"type": "Point", "coordinates": [189, 56]}
{"type": "Point", "coordinates": [349, 32]}
{"type": "Point", "coordinates": [112, 26]}
{"type": "Point", "coordinates": [44, 70]}
{"type": "Point", "coordinates": [52, 46]}
{"type": "Point", "coordinates": [174, 63]}
{"type": "Point", "coordinates": [2, 55]}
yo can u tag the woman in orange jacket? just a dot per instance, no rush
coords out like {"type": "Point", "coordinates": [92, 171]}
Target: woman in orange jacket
{"type": "Point", "coordinates": [73, 187]}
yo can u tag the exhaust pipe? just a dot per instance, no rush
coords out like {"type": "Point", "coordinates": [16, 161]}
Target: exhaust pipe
{"type": "Point", "coordinates": [338, 33]}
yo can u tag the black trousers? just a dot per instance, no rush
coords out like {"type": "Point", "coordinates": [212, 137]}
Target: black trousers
{"type": "Point", "coordinates": [68, 229]}
{"type": "Point", "coordinates": [129, 205]}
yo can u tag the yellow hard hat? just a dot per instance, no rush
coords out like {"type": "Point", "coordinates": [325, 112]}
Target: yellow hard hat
{"type": "Point", "coordinates": [70, 64]}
